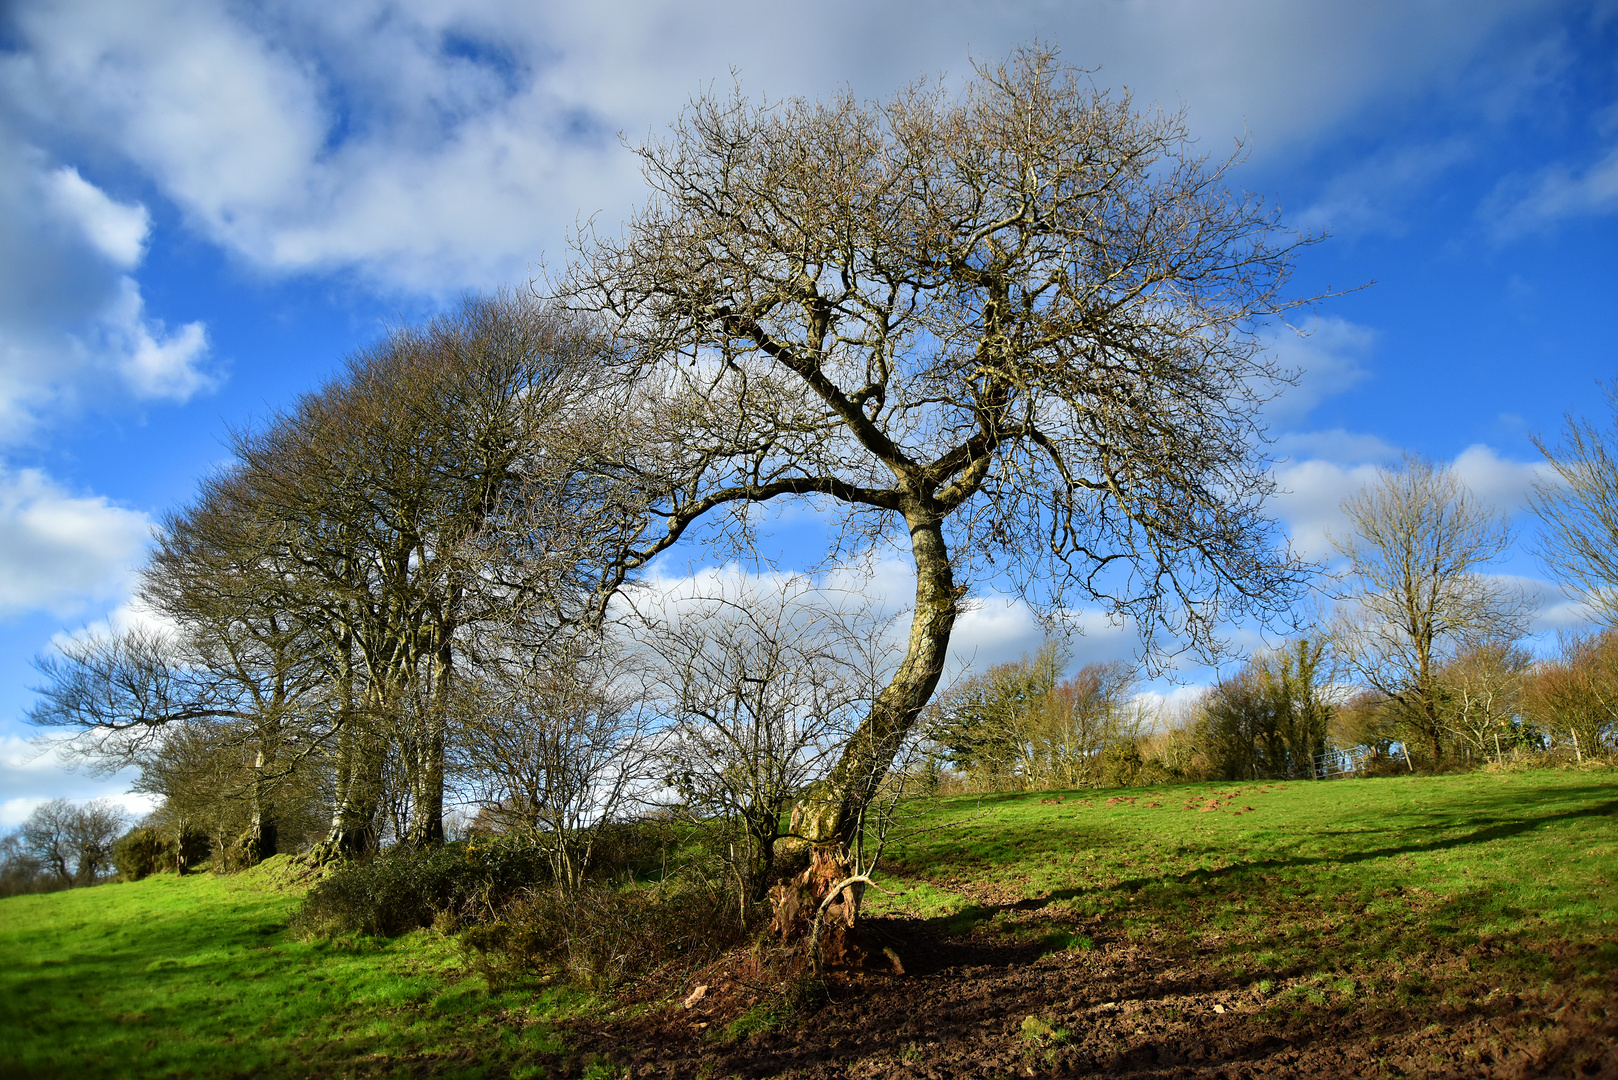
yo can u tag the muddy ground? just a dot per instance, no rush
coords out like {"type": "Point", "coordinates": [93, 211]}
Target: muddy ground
{"type": "Point", "coordinates": [992, 1004]}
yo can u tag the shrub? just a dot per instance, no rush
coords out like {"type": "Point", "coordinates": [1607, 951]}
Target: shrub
{"type": "Point", "coordinates": [146, 850]}
{"type": "Point", "coordinates": [601, 935]}
{"type": "Point", "coordinates": [404, 889]}
{"type": "Point", "coordinates": [139, 853]}
{"type": "Point", "coordinates": [1122, 764]}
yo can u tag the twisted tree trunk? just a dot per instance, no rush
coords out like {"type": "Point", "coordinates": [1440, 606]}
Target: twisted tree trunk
{"type": "Point", "coordinates": [831, 814]}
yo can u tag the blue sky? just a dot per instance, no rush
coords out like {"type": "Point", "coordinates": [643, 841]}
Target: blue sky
{"type": "Point", "coordinates": [203, 206]}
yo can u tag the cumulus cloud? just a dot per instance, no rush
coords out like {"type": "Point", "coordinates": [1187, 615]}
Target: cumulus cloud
{"type": "Point", "coordinates": [71, 309]}
{"type": "Point", "coordinates": [1312, 491]}
{"type": "Point", "coordinates": [156, 364]}
{"type": "Point", "coordinates": [58, 550]}
{"type": "Point", "coordinates": [1310, 498]}
{"type": "Point", "coordinates": [118, 230]}
{"type": "Point", "coordinates": [1337, 445]}
{"type": "Point", "coordinates": [992, 628]}
{"type": "Point", "coordinates": [1501, 483]}
{"type": "Point", "coordinates": [34, 772]}
{"type": "Point", "coordinates": [441, 145]}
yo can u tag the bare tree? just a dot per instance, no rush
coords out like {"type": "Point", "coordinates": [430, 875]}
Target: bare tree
{"type": "Point", "coordinates": [329, 588]}
{"type": "Point", "coordinates": [555, 746]}
{"type": "Point", "coordinates": [762, 689]}
{"type": "Point", "coordinates": [1018, 327]}
{"type": "Point", "coordinates": [1579, 512]}
{"type": "Point", "coordinates": [1484, 687]}
{"type": "Point", "coordinates": [1414, 593]}
{"type": "Point", "coordinates": [73, 842]}
{"type": "Point", "coordinates": [1573, 697]}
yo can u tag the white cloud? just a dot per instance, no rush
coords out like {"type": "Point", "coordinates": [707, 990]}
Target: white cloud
{"type": "Point", "coordinates": [59, 551]}
{"type": "Point", "coordinates": [1328, 357]}
{"type": "Point", "coordinates": [1500, 483]}
{"type": "Point", "coordinates": [1312, 491]}
{"type": "Point", "coordinates": [1337, 445]}
{"type": "Point", "coordinates": [71, 311]}
{"type": "Point", "coordinates": [1310, 501]}
{"type": "Point", "coordinates": [1376, 193]}
{"type": "Point", "coordinates": [116, 229]}
{"type": "Point", "coordinates": [992, 628]}
{"type": "Point", "coordinates": [438, 144]}
{"type": "Point", "coordinates": [1167, 708]}
{"type": "Point", "coordinates": [157, 365]}
{"type": "Point", "coordinates": [34, 772]}
{"type": "Point", "coordinates": [129, 615]}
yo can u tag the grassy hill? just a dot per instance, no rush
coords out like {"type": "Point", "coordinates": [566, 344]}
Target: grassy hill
{"type": "Point", "coordinates": [197, 976]}
{"type": "Point", "coordinates": [1411, 925]}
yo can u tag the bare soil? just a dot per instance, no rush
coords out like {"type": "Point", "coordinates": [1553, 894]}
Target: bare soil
{"type": "Point", "coordinates": [995, 1004]}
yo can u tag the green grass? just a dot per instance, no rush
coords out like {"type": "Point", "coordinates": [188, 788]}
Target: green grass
{"type": "Point", "coordinates": [197, 976]}
{"type": "Point", "coordinates": [1282, 878]}
{"type": "Point", "coordinates": [1335, 895]}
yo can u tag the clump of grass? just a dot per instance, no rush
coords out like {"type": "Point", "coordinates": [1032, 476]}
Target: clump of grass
{"type": "Point", "coordinates": [1037, 1031]}
{"type": "Point", "coordinates": [599, 935]}
{"type": "Point", "coordinates": [762, 1018]}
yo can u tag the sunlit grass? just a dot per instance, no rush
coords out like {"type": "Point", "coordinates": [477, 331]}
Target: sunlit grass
{"type": "Point", "coordinates": [1332, 895]}
{"type": "Point", "coordinates": [197, 976]}
{"type": "Point", "coordinates": [1282, 878]}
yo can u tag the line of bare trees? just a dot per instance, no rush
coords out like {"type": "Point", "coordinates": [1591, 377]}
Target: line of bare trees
{"type": "Point", "coordinates": [1015, 331]}
{"type": "Point", "coordinates": [392, 547]}
{"type": "Point", "coordinates": [1423, 662]}
{"type": "Point", "coordinates": [60, 845]}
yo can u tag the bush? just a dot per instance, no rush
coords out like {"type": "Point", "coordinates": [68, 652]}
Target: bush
{"type": "Point", "coordinates": [404, 889]}
{"type": "Point", "coordinates": [1122, 764]}
{"type": "Point", "coordinates": [145, 850]}
{"type": "Point", "coordinates": [601, 935]}
{"type": "Point", "coordinates": [139, 853]}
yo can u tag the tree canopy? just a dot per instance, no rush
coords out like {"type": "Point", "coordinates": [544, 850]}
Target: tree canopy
{"type": "Point", "coordinates": [1020, 326]}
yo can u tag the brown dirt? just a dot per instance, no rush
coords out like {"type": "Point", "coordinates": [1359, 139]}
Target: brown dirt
{"type": "Point", "coordinates": [987, 1005]}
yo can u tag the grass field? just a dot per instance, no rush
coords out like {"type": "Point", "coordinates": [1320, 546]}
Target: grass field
{"type": "Point", "coordinates": [1339, 895]}
{"type": "Point", "coordinates": [1286, 877]}
{"type": "Point", "coordinates": [196, 976]}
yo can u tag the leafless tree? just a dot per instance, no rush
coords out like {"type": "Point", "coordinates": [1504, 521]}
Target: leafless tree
{"type": "Point", "coordinates": [73, 842]}
{"type": "Point", "coordinates": [125, 694]}
{"type": "Point", "coordinates": [762, 687]}
{"type": "Point", "coordinates": [330, 587]}
{"type": "Point", "coordinates": [555, 746]}
{"type": "Point", "coordinates": [1579, 511]}
{"type": "Point", "coordinates": [1415, 595]}
{"type": "Point", "coordinates": [1573, 697]}
{"type": "Point", "coordinates": [1019, 326]}
{"type": "Point", "coordinates": [1484, 687]}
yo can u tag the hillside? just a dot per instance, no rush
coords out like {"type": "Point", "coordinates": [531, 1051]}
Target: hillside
{"type": "Point", "coordinates": [1457, 925]}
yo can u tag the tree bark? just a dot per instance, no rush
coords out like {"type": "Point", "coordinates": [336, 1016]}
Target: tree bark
{"type": "Point", "coordinates": [831, 813]}
{"type": "Point", "coordinates": [426, 827]}
{"type": "Point", "coordinates": [359, 787]}
{"type": "Point", "coordinates": [263, 837]}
